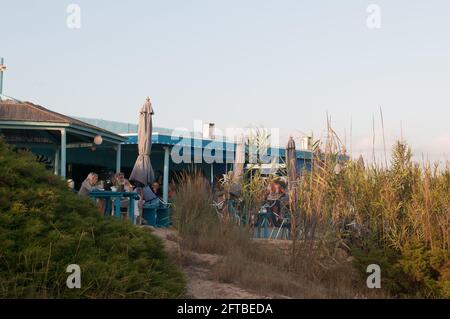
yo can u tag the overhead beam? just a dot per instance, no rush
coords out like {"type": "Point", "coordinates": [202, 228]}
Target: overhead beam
{"type": "Point", "coordinates": [79, 130]}
{"type": "Point", "coordinates": [91, 132]}
{"type": "Point", "coordinates": [31, 125]}
{"type": "Point", "coordinates": [79, 145]}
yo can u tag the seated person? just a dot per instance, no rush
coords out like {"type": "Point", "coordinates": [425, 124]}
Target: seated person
{"type": "Point", "coordinates": [125, 201]}
{"type": "Point", "coordinates": [88, 184]}
{"type": "Point", "coordinates": [276, 217]}
{"type": "Point", "coordinates": [109, 183]}
{"type": "Point", "coordinates": [171, 191]}
{"type": "Point", "coordinates": [146, 196]}
{"type": "Point", "coordinates": [156, 188]}
{"type": "Point", "coordinates": [123, 185]}
{"type": "Point", "coordinates": [128, 187]}
{"type": "Point", "coordinates": [149, 196]}
{"type": "Point", "coordinates": [71, 185]}
{"type": "Point", "coordinates": [120, 182]}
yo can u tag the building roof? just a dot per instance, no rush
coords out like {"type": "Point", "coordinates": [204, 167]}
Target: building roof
{"type": "Point", "coordinates": [166, 136]}
{"type": "Point", "coordinates": [121, 127]}
{"type": "Point", "coordinates": [27, 111]}
{"type": "Point", "coordinates": [12, 111]}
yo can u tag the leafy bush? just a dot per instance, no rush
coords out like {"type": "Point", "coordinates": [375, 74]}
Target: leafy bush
{"type": "Point", "coordinates": [44, 227]}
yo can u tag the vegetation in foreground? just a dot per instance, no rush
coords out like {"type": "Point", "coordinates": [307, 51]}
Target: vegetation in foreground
{"type": "Point", "coordinates": [259, 266]}
{"type": "Point", "coordinates": [44, 227]}
{"type": "Point", "coordinates": [396, 216]}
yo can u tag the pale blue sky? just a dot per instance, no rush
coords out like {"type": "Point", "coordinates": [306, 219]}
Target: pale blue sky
{"type": "Point", "coordinates": [273, 63]}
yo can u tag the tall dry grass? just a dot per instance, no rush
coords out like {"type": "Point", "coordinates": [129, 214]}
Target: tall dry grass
{"type": "Point", "coordinates": [197, 221]}
{"type": "Point", "coordinates": [347, 215]}
{"type": "Point", "coordinates": [396, 216]}
{"type": "Point", "coordinates": [258, 266]}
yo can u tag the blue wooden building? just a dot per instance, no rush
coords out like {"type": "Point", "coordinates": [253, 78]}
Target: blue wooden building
{"type": "Point", "coordinates": [73, 147]}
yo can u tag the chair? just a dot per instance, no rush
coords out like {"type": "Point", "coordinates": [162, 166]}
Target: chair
{"type": "Point", "coordinates": [149, 212]}
{"type": "Point", "coordinates": [218, 206]}
{"type": "Point", "coordinates": [283, 228]}
{"type": "Point", "coordinates": [163, 219]}
{"type": "Point", "coordinates": [264, 215]}
{"type": "Point", "coordinates": [231, 211]}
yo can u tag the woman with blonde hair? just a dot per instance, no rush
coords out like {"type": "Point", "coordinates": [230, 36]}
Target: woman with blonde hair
{"type": "Point", "coordinates": [88, 184]}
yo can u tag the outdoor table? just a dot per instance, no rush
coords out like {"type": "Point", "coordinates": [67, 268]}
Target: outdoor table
{"type": "Point", "coordinates": [115, 197]}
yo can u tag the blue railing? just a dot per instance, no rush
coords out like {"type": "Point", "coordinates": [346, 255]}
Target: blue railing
{"type": "Point", "coordinates": [157, 215]}
{"type": "Point", "coordinates": [114, 199]}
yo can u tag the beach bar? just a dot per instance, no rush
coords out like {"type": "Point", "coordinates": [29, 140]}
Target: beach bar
{"type": "Point", "coordinates": [73, 147]}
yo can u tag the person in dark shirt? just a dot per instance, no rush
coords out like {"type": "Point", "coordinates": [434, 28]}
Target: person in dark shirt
{"type": "Point", "coordinates": [146, 196]}
{"type": "Point", "coordinates": [156, 188]}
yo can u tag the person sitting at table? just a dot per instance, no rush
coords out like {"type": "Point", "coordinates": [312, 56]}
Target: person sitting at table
{"type": "Point", "coordinates": [171, 191]}
{"type": "Point", "coordinates": [88, 186]}
{"type": "Point", "coordinates": [149, 196]}
{"type": "Point", "coordinates": [120, 182]}
{"type": "Point", "coordinates": [125, 187]}
{"type": "Point", "coordinates": [109, 183]}
{"type": "Point", "coordinates": [71, 185]}
{"type": "Point", "coordinates": [274, 194]}
{"type": "Point", "coordinates": [146, 196]}
{"type": "Point", "coordinates": [156, 188]}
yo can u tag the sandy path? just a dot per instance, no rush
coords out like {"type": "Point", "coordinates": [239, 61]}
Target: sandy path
{"type": "Point", "coordinates": [197, 271]}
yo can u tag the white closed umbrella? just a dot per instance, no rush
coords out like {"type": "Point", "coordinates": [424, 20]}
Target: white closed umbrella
{"type": "Point", "coordinates": [142, 170]}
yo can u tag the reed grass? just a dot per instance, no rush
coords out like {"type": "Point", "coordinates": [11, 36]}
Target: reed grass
{"type": "Point", "coordinates": [265, 269]}
{"type": "Point", "coordinates": [399, 215]}
{"type": "Point", "coordinates": [396, 216]}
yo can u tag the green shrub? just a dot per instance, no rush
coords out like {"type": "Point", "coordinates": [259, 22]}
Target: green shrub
{"type": "Point", "coordinates": [44, 227]}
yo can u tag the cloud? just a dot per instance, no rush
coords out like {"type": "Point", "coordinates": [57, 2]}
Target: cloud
{"type": "Point", "coordinates": [437, 149]}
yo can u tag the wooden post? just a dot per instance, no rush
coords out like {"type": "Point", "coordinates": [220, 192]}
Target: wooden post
{"type": "Point", "coordinates": [63, 152]}
{"type": "Point", "coordinates": [166, 174]}
{"type": "Point", "coordinates": [118, 157]}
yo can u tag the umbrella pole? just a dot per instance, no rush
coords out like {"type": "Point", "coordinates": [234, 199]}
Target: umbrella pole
{"type": "Point", "coordinates": [166, 175]}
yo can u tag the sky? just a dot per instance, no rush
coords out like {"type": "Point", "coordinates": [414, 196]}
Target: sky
{"type": "Point", "coordinates": [278, 64]}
